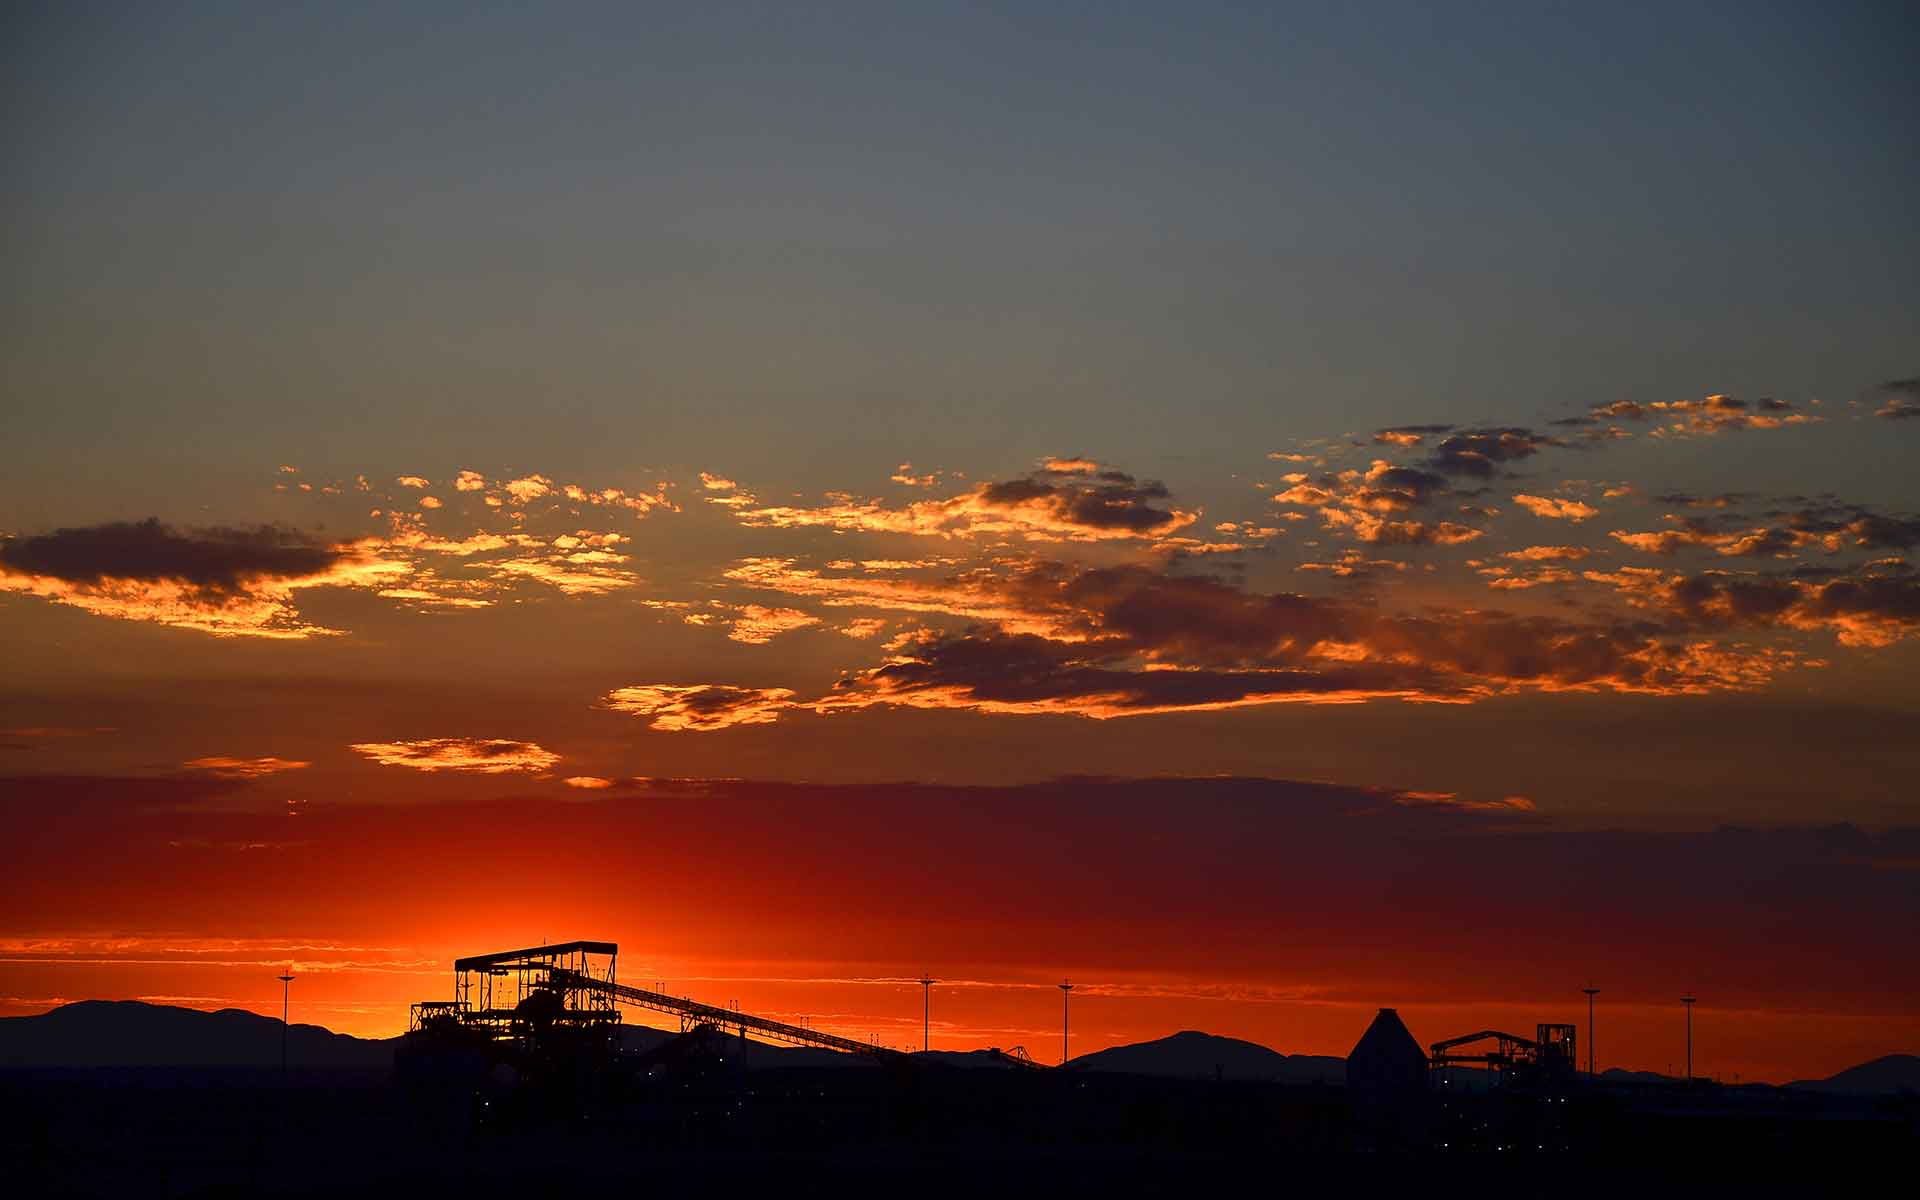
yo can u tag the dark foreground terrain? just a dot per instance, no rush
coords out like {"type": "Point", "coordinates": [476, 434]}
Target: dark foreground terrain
{"type": "Point", "coordinates": [126, 1099]}
{"type": "Point", "coordinates": [812, 1131]}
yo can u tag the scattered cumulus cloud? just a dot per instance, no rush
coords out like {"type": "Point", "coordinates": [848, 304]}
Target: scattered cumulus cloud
{"type": "Point", "coordinates": [224, 767]}
{"type": "Point", "coordinates": [700, 708]}
{"type": "Point", "coordinates": [485, 756]}
{"type": "Point", "coordinates": [1555, 508]}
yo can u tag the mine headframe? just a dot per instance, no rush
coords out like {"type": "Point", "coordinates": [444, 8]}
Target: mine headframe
{"type": "Point", "coordinates": [1508, 1058]}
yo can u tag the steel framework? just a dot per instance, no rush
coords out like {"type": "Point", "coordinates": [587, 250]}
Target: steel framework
{"type": "Point", "coordinates": [570, 989]}
{"type": "Point", "coordinates": [1549, 1051]}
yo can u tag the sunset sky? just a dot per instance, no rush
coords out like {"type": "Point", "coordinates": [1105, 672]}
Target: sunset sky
{"type": "Point", "coordinates": [1266, 511]}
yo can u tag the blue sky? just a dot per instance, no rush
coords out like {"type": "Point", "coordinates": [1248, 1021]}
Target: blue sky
{"type": "Point", "coordinates": [962, 234]}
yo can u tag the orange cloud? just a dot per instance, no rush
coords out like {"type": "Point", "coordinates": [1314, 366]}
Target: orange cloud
{"type": "Point", "coordinates": [1047, 506]}
{"type": "Point", "coordinates": [1548, 553]}
{"type": "Point", "coordinates": [222, 581]}
{"type": "Point", "coordinates": [758, 624]}
{"type": "Point", "coordinates": [904, 474]}
{"type": "Point", "coordinates": [528, 488]}
{"type": "Point", "coordinates": [1869, 610]}
{"type": "Point", "coordinates": [411, 481]}
{"type": "Point", "coordinates": [1452, 801]}
{"type": "Point", "coordinates": [470, 481]}
{"type": "Point", "coordinates": [223, 767]}
{"type": "Point", "coordinates": [587, 573]}
{"type": "Point", "coordinates": [479, 755]}
{"type": "Point", "coordinates": [1902, 400]}
{"type": "Point", "coordinates": [1710, 415]}
{"type": "Point", "coordinates": [1376, 531]}
{"type": "Point", "coordinates": [702, 707]}
{"type": "Point", "coordinates": [1547, 506]}
{"type": "Point", "coordinates": [1069, 465]}
{"type": "Point", "coordinates": [588, 782]}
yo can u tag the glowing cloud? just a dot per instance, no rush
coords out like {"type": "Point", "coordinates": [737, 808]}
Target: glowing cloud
{"type": "Point", "coordinates": [478, 755]}
{"type": "Point", "coordinates": [529, 488]}
{"type": "Point", "coordinates": [1548, 506]}
{"type": "Point", "coordinates": [1050, 505]}
{"type": "Point", "coordinates": [223, 767]}
{"type": "Point", "coordinates": [758, 624]}
{"type": "Point", "coordinates": [222, 581]}
{"type": "Point", "coordinates": [702, 707]}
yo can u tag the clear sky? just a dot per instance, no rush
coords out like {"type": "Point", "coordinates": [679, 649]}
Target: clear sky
{"type": "Point", "coordinates": [1486, 432]}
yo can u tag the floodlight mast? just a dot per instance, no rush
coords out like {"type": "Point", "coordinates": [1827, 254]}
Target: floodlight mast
{"type": "Point", "coordinates": [286, 991]}
{"type": "Point", "coordinates": [1687, 1001]}
{"type": "Point", "coordinates": [1591, 992]}
{"type": "Point", "coordinates": [1066, 989]}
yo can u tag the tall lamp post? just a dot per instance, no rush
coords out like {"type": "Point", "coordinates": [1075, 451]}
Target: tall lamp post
{"type": "Point", "coordinates": [926, 1010]}
{"type": "Point", "coordinates": [1066, 989]}
{"type": "Point", "coordinates": [286, 991]}
{"type": "Point", "coordinates": [1591, 992]}
{"type": "Point", "coordinates": [1688, 1001]}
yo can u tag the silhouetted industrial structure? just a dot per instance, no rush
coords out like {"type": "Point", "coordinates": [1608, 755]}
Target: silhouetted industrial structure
{"type": "Point", "coordinates": [1510, 1059]}
{"type": "Point", "coordinates": [563, 999]}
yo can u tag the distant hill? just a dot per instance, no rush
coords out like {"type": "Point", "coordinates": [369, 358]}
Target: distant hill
{"type": "Point", "coordinates": [1622, 1075]}
{"type": "Point", "coordinates": [129, 1033]}
{"type": "Point", "coordinates": [1191, 1054]}
{"type": "Point", "coordinates": [755, 1056]}
{"type": "Point", "coordinates": [996, 1060]}
{"type": "Point", "coordinates": [1889, 1073]}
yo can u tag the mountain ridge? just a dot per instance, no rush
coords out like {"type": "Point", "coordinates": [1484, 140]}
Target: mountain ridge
{"type": "Point", "coordinates": [134, 1033]}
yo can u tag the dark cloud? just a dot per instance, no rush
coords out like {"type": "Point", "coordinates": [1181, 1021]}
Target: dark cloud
{"type": "Point", "coordinates": [1408, 435]}
{"type": "Point", "coordinates": [1867, 609]}
{"type": "Point", "coordinates": [998, 672]}
{"type": "Point", "coordinates": [1127, 640]}
{"type": "Point", "coordinates": [1398, 489]}
{"type": "Point", "coordinates": [1691, 500]}
{"type": "Point", "coordinates": [1478, 452]}
{"type": "Point", "coordinates": [1066, 499]}
{"type": "Point", "coordinates": [700, 707]}
{"type": "Point", "coordinates": [1116, 501]}
{"type": "Point", "coordinates": [1900, 400]}
{"type": "Point", "coordinates": [1707, 415]}
{"type": "Point", "coordinates": [215, 560]}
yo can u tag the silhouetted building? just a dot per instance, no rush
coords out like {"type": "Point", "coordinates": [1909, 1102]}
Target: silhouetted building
{"type": "Point", "coordinates": [1387, 1080]}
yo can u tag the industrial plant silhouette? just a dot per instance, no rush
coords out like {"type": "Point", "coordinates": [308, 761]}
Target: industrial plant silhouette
{"type": "Point", "coordinates": [530, 1061]}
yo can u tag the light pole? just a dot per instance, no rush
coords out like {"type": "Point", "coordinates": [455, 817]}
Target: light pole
{"type": "Point", "coordinates": [286, 991]}
{"type": "Point", "coordinates": [1687, 1001]}
{"type": "Point", "coordinates": [926, 1011]}
{"type": "Point", "coordinates": [1591, 992]}
{"type": "Point", "coordinates": [1066, 989]}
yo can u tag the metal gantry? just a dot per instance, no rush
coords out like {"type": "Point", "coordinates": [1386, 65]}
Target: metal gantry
{"type": "Point", "coordinates": [571, 989]}
{"type": "Point", "coordinates": [1551, 1051]}
{"type": "Point", "coordinates": [728, 1018]}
